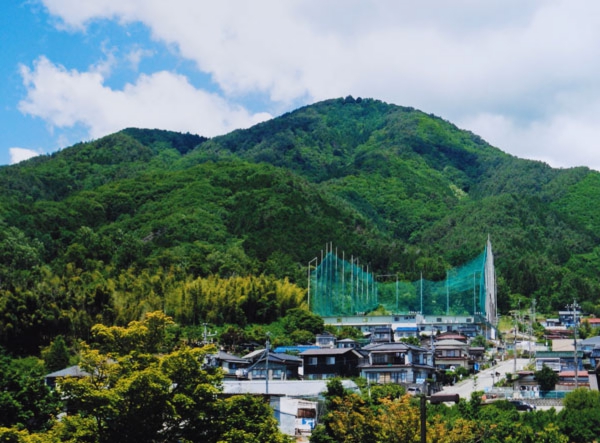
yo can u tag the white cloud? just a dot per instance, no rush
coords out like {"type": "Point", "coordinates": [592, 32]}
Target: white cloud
{"type": "Point", "coordinates": [561, 141]}
{"type": "Point", "coordinates": [20, 154]}
{"type": "Point", "coordinates": [463, 60]}
{"type": "Point", "coordinates": [163, 100]}
{"type": "Point", "coordinates": [135, 56]}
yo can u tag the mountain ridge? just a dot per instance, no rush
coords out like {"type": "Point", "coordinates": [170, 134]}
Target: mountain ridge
{"type": "Point", "coordinates": [408, 192]}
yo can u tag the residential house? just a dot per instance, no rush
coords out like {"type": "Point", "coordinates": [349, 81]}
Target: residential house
{"type": "Point", "coordinates": [593, 322]}
{"type": "Point", "coordinates": [558, 360]}
{"type": "Point", "coordinates": [451, 335]}
{"type": "Point", "coordinates": [595, 359]}
{"type": "Point", "coordinates": [72, 371]}
{"type": "Point", "coordinates": [382, 334]}
{"type": "Point", "coordinates": [399, 363]}
{"type": "Point", "coordinates": [525, 385]}
{"type": "Point", "coordinates": [405, 330]}
{"type": "Point", "coordinates": [279, 366]}
{"type": "Point", "coordinates": [231, 365]}
{"type": "Point", "coordinates": [347, 343]}
{"type": "Point", "coordinates": [567, 318]}
{"type": "Point", "coordinates": [326, 340]}
{"type": "Point", "coordinates": [589, 343]}
{"type": "Point", "coordinates": [588, 346]}
{"type": "Point", "coordinates": [566, 380]}
{"type": "Point", "coordinates": [551, 323]}
{"type": "Point", "coordinates": [292, 401]}
{"type": "Point", "coordinates": [476, 355]}
{"type": "Point", "coordinates": [547, 358]}
{"type": "Point", "coordinates": [451, 354]}
{"type": "Point", "coordinates": [319, 364]}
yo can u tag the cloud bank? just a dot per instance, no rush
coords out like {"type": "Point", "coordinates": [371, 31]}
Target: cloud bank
{"type": "Point", "coordinates": [522, 75]}
{"type": "Point", "coordinates": [21, 154]}
{"type": "Point", "coordinates": [162, 100]}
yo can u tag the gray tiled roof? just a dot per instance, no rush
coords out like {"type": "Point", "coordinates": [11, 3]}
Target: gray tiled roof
{"type": "Point", "coordinates": [72, 371]}
{"type": "Point", "coordinates": [332, 351]}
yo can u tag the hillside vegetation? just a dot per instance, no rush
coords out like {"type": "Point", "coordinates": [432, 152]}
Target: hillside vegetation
{"type": "Point", "coordinates": [221, 230]}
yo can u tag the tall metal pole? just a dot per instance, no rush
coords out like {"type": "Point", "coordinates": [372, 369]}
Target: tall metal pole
{"type": "Point", "coordinates": [367, 282]}
{"type": "Point", "coordinates": [422, 294]}
{"type": "Point", "coordinates": [314, 259]}
{"type": "Point", "coordinates": [447, 293]}
{"type": "Point", "coordinates": [397, 305]}
{"type": "Point", "coordinates": [533, 322]}
{"type": "Point", "coordinates": [474, 296]}
{"type": "Point", "coordinates": [574, 307]}
{"type": "Point", "coordinates": [267, 365]}
{"type": "Point", "coordinates": [516, 329]}
{"type": "Point", "coordinates": [352, 283]}
{"type": "Point", "coordinates": [344, 273]}
{"type": "Point", "coordinates": [358, 295]}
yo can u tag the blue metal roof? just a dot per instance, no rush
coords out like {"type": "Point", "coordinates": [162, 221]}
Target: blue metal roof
{"type": "Point", "coordinates": [299, 348]}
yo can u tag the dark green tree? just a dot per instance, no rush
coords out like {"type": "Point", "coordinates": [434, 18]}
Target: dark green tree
{"type": "Point", "coordinates": [481, 341]}
{"type": "Point", "coordinates": [302, 319]}
{"type": "Point", "coordinates": [56, 356]}
{"type": "Point", "coordinates": [25, 401]}
{"type": "Point", "coordinates": [546, 377]}
{"type": "Point", "coordinates": [580, 417]}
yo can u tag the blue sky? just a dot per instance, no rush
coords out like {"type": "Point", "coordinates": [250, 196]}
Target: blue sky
{"type": "Point", "coordinates": [523, 75]}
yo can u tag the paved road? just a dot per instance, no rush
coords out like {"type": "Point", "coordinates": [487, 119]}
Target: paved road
{"type": "Point", "coordinates": [484, 379]}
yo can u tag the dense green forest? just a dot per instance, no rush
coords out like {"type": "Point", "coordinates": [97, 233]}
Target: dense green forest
{"type": "Point", "coordinates": [221, 230]}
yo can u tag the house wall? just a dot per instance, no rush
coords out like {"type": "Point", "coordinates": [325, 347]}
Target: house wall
{"type": "Point", "coordinates": [344, 366]}
{"type": "Point", "coordinates": [295, 416]}
{"type": "Point", "coordinates": [276, 372]}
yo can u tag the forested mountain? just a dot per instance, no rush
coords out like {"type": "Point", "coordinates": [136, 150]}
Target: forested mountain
{"type": "Point", "coordinates": [222, 229]}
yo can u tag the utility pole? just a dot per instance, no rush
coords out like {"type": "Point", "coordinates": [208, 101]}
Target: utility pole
{"type": "Point", "coordinates": [515, 344]}
{"type": "Point", "coordinates": [533, 321]}
{"type": "Point", "coordinates": [267, 345]}
{"type": "Point", "coordinates": [574, 307]}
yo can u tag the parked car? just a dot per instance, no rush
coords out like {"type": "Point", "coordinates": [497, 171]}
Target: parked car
{"type": "Point", "coordinates": [413, 390]}
{"type": "Point", "coordinates": [521, 405]}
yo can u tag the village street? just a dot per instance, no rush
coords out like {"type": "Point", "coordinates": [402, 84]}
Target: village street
{"type": "Point", "coordinates": [485, 379]}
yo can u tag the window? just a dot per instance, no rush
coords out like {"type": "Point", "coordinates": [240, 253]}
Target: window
{"type": "Point", "coordinates": [372, 377]}
{"type": "Point", "coordinates": [312, 361]}
{"type": "Point", "coordinates": [306, 413]}
{"type": "Point", "coordinates": [399, 377]}
{"type": "Point", "coordinates": [379, 359]}
{"type": "Point", "coordinates": [330, 360]}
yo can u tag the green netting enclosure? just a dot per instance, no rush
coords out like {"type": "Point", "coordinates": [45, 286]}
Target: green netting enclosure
{"type": "Point", "coordinates": [341, 287]}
